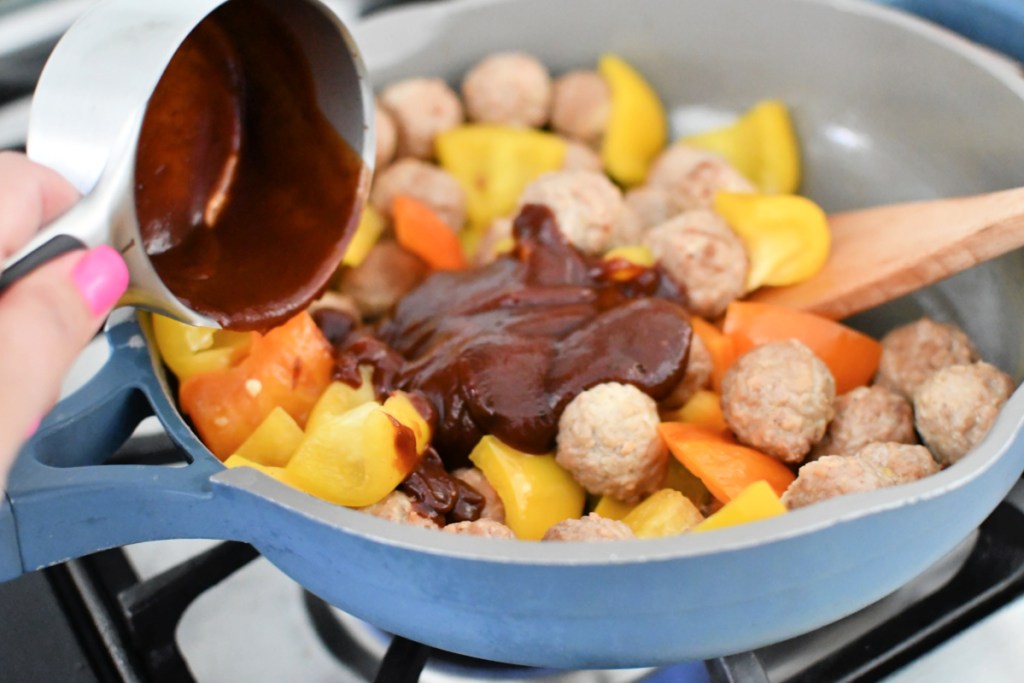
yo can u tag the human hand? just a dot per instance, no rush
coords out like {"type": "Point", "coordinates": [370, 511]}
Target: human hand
{"type": "Point", "coordinates": [48, 316]}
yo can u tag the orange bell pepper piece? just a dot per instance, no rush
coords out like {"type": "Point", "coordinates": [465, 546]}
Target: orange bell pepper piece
{"type": "Point", "coordinates": [420, 230]}
{"type": "Point", "coordinates": [289, 367]}
{"type": "Point", "coordinates": [851, 356]}
{"type": "Point", "coordinates": [724, 466]}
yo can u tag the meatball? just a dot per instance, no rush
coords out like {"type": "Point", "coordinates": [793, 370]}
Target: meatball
{"type": "Point", "coordinates": [421, 108]}
{"type": "Point", "coordinates": [956, 406]}
{"type": "Point", "coordinates": [510, 88]}
{"type": "Point", "coordinates": [493, 508]}
{"type": "Point", "coordinates": [627, 231]}
{"type": "Point", "coordinates": [692, 176]}
{"type": "Point", "coordinates": [593, 527]}
{"type": "Point", "coordinates": [580, 105]}
{"type": "Point", "coordinates": [387, 274]}
{"type": "Point", "coordinates": [912, 352]}
{"type": "Point", "coordinates": [579, 157]}
{"type": "Point", "coordinates": [698, 375]}
{"type": "Point", "coordinates": [586, 205]}
{"type": "Point", "coordinates": [875, 466]}
{"type": "Point", "coordinates": [608, 440]}
{"type": "Point", "coordinates": [700, 251]}
{"type": "Point", "coordinates": [428, 183]}
{"type": "Point", "coordinates": [387, 136]}
{"type": "Point", "coordinates": [487, 528]}
{"type": "Point", "coordinates": [652, 205]}
{"type": "Point", "coordinates": [778, 399]}
{"type": "Point", "coordinates": [867, 415]}
{"type": "Point", "coordinates": [397, 507]}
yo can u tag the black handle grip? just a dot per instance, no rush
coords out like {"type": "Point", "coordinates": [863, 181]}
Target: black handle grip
{"type": "Point", "coordinates": [61, 244]}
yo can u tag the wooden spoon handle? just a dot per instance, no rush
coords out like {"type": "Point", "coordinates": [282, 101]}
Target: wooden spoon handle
{"type": "Point", "coordinates": [882, 253]}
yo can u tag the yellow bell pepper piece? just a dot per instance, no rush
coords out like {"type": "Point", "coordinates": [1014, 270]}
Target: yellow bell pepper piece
{"type": "Point", "coordinates": [610, 508]}
{"type": "Point", "coordinates": [401, 409]}
{"type": "Point", "coordinates": [493, 164]}
{"type": "Point", "coordinates": [273, 441]}
{"type": "Point", "coordinates": [637, 129]}
{"type": "Point", "coordinates": [628, 263]}
{"type": "Point", "coordinates": [339, 398]}
{"type": "Point", "coordinates": [761, 145]}
{"type": "Point", "coordinates": [278, 473]}
{"type": "Point", "coordinates": [757, 501]}
{"type": "Point", "coordinates": [704, 408]}
{"type": "Point", "coordinates": [663, 513]}
{"type": "Point", "coordinates": [371, 226]}
{"type": "Point", "coordinates": [786, 236]}
{"type": "Point", "coordinates": [360, 456]}
{"type": "Point", "coordinates": [189, 350]}
{"type": "Point", "coordinates": [535, 490]}
{"type": "Point", "coordinates": [637, 254]}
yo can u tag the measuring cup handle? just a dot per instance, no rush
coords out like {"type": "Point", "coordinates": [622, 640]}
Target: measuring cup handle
{"type": "Point", "coordinates": [88, 223]}
{"type": "Point", "coordinates": [61, 244]}
{"type": "Point", "coordinates": [63, 501]}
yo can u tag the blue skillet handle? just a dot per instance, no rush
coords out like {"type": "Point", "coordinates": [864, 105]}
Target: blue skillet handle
{"type": "Point", "coordinates": [63, 502]}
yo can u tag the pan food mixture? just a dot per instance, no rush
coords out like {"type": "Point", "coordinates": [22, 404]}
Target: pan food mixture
{"type": "Point", "coordinates": [540, 330]}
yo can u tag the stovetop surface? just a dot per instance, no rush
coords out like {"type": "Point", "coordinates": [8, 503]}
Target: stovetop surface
{"type": "Point", "coordinates": [256, 625]}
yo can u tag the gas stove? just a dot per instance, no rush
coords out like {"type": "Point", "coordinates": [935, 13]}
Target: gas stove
{"type": "Point", "coordinates": [207, 611]}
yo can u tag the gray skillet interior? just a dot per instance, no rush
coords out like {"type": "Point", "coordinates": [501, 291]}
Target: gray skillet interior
{"type": "Point", "coordinates": [885, 110]}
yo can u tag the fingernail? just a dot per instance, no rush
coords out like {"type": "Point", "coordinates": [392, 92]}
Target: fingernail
{"type": "Point", "coordinates": [32, 428]}
{"type": "Point", "coordinates": [101, 277]}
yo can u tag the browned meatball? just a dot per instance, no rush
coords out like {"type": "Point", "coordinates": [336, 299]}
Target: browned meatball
{"type": "Point", "coordinates": [866, 415]}
{"type": "Point", "coordinates": [652, 205]}
{"type": "Point", "coordinates": [587, 206]}
{"type": "Point", "coordinates": [700, 251]}
{"type": "Point", "coordinates": [956, 406]}
{"type": "Point", "coordinates": [875, 466]}
{"type": "Point", "coordinates": [580, 106]}
{"type": "Point", "coordinates": [387, 273]}
{"type": "Point", "coordinates": [428, 183]}
{"type": "Point", "coordinates": [510, 88]}
{"type": "Point", "coordinates": [912, 352]}
{"type": "Point", "coordinates": [579, 157]}
{"type": "Point", "coordinates": [698, 375]}
{"type": "Point", "coordinates": [386, 135]}
{"type": "Point", "coordinates": [593, 527]}
{"type": "Point", "coordinates": [493, 508]}
{"type": "Point", "coordinates": [397, 507]}
{"type": "Point", "coordinates": [422, 108]}
{"type": "Point", "coordinates": [608, 440]}
{"type": "Point", "coordinates": [692, 176]}
{"type": "Point", "coordinates": [485, 528]}
{"type": "Point", "coordinates": [778, 399]}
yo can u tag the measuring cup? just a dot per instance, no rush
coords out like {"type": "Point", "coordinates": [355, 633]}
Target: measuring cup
{"type": "Point", "coordinates": [91, 102]}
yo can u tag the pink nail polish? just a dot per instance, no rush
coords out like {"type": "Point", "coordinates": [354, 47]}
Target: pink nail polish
{"type": "Point", "coordinates": [32, 428]}
{"type": "Point", "coordinates": [101, 277]}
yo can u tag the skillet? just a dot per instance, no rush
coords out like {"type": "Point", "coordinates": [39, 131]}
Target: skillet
{"type": "Point", "coordinates": [887, 109]}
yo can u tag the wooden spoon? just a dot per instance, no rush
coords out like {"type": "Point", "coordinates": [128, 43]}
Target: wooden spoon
{"type": "Point", "coordinates": [882, 253]}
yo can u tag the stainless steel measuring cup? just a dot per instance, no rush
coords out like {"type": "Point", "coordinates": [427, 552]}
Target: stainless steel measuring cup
{"type": "Point", "coordinates": [89, 105]}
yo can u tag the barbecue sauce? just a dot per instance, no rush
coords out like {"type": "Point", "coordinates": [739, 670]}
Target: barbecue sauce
{"type": "Point", "coordinates": [245, 193]}
{"type": "Point", "coordinates": [502, 349]}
